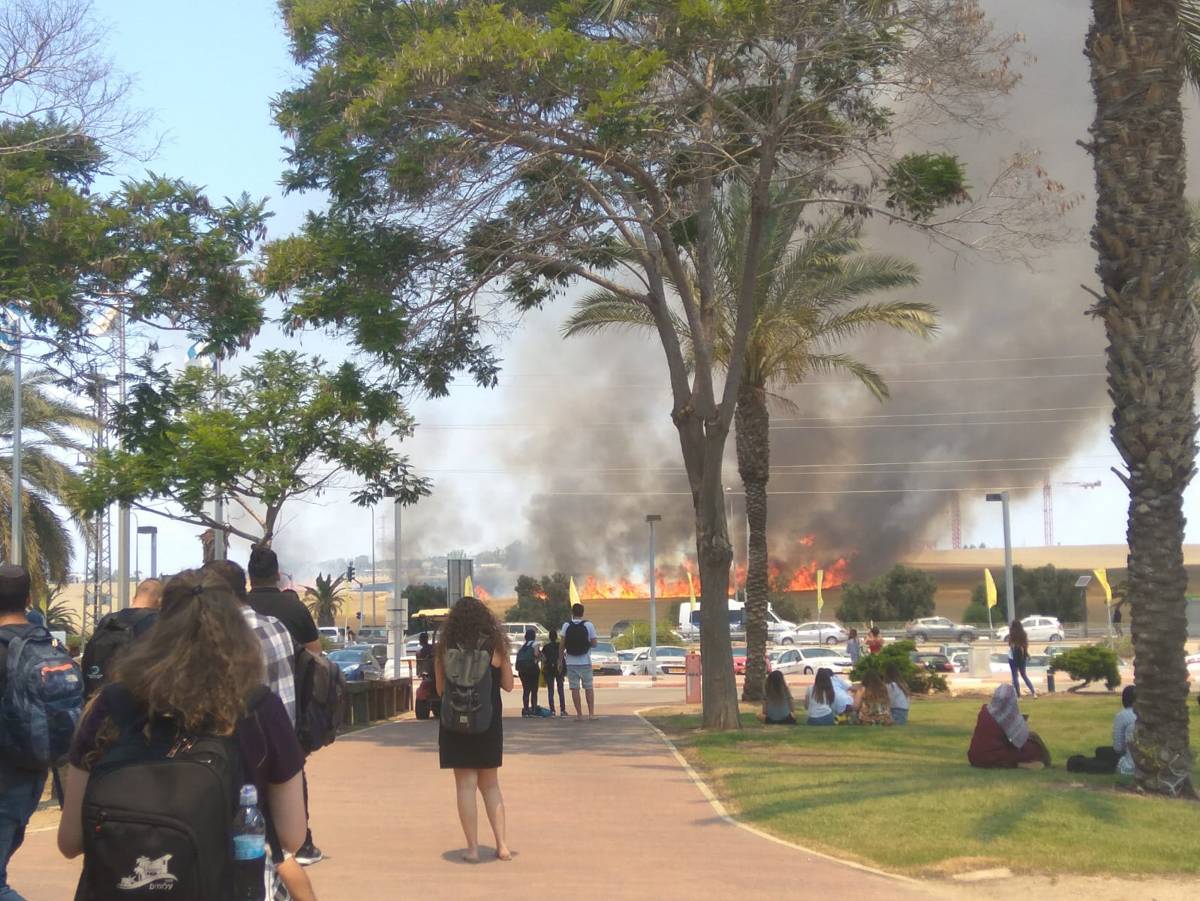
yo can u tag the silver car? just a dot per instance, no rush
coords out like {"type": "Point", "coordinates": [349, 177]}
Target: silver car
{"type": "Point", "coordinates": [605, 659]}
{"type": "Point", "coordinates": [816, 633]}
{"type": "Point", "coordinates": [670, 659]}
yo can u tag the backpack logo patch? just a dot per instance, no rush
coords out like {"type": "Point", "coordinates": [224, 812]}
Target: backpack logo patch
{"type": "Point", "coordinates": [152, 873]}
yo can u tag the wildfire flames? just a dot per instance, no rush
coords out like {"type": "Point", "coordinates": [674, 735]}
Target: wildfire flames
{"type": "Point", "coordinates": [672, 582]}
{"type": "Point", "coordinates": [482, 593]}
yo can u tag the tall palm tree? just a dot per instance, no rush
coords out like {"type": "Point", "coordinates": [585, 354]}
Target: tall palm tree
{"type": "Point", "coordinates": [1139, 57]}
{"type": "Point", "coordinates": [325, 600]}
{"type": "Point", "coordinates": [50, 426]}
{"type": "Point", "coordinates": [808, 300]}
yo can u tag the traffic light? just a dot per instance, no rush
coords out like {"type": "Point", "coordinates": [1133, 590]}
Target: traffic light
{"type": "Point", "coordinates": [349, 572]}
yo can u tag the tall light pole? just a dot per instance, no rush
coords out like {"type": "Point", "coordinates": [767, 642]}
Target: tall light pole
{"type": "Point", "coordinates": [152, 531]}
{"type": "Point", "coordinates": [1002, 497]}
{"type": "Point", "coordinates": [399, 611]}
{"type": "Point", "coordinates": [374, 578]}
{"type": "Point", "coordinates": [220, 550]}
{"type": "Point", "coordinates": [16, 552]}
{"type": "Point", "coordinates": [652, 518]}
{"type": "Point", "coordinates": [122, 508]}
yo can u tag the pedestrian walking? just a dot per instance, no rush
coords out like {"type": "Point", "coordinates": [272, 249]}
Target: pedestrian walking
{"type": "Point", "coordinates": [41, 692]}
{"type": "Point", "coordinates": [1116, 621]}
{"type": "Point", "coordinates": [553, 672]}
{"type": "Point", "coordinates": [853, 646]}
{"type": "Point", "coordinates": [471, 667]}
{"type": "Point", "coordinates": [579, 637]}
{"type": "Point", "coordinates": [191, 691]}
{"type": "Point", "coordinates": [116, 631]}
{"type": "Point", "coordinates": [1018, 656]}
{"type": "Point", "coordinates": [874, 641]}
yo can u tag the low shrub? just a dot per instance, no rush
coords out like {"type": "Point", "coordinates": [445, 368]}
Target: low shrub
{"type": "Point", "coordinates": [638, 635]}
{"type": "Point", "coordinates": [920, 680]}
{"type": "Point", "coordinates": [1087, 664]}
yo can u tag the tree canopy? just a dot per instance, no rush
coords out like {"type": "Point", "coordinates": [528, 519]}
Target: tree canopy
{"type": "Point", "coordinates": [901, 594]}
{"type": "Point", "coordinates": [1043, 590]}
{"type": "Point", "coordinates": [284, 427]}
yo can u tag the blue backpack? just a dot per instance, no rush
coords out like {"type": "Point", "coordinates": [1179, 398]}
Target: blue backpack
{"type": "Point", "coordinates": [42, 700]}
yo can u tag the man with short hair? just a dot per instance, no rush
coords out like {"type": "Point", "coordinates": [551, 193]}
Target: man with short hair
{"type": "Point", "coordinates": [286, 606]}
{"type": "Point", "coordinates": [20, 789]}
{"type": "Point", "coordinates": [579, 637]}
{"type": "Point", "coordinates": [277, 649]}
{"type": "Point", "coordinates": [116, 631]}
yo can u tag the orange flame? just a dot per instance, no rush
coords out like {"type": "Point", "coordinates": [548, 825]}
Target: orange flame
{"type": "Point", "coordinates": [482, 593]}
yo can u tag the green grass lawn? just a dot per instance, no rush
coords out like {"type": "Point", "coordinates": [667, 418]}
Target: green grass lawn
{"type": "Point", "coordinates": [905, 799]}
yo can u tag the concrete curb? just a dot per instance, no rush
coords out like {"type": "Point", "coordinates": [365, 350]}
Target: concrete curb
{"type": "Point", "coordinates": [724, 814]}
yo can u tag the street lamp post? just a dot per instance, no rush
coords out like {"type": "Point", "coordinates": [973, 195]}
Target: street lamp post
{"type": "Point", "coordinates": [1002, 498]}
{"type": "Point", "coordinates": [152, 531]}
{"type": "Point", "coordinates": [1082, 584]}
{"type": "Point", "coordinates": [651, 519]}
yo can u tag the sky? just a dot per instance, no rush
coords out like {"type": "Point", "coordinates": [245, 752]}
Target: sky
{"type": "Point", "coordinates": [208, 70]}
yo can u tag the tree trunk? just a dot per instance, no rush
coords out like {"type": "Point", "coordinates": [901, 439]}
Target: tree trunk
{"type": "Point", "coordinates": [1137, 70]}
{"type": "Point", "coordinates": [754, 466]}
{"type": "Point", "coordinates": [705, 449]}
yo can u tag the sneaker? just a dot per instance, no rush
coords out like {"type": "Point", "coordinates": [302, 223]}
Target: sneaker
{"type": "Point", "coordinates": [308, 854]}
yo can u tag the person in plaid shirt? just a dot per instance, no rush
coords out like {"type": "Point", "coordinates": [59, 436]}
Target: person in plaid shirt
{"type": "Point", "coordinates": [276, 641]}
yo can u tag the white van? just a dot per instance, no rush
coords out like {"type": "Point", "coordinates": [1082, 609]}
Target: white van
{"type": "Point", "coordinates": [689, 622]}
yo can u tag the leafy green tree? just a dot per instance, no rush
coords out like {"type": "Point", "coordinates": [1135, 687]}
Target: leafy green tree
{"type": "Point", "coordinates": [157, 249]}
{"type": "Point", "coordinates": [918, 679]}
{"type": "Point", "coordinates": [901, 594]}
{"type": "Point", "coordinates": [1043, 590]}
{"type": "Point", "coordinates": [546, 600]}
{"type": "Point", "coordinates": [285, 427]}
{"type": "Point", "coordinates": [808, 299]}
{"type": "Point", "coordinates": [424, 597]}
{"type": "Point", "coordinates": [59, 613]}
{"type": "Point", "coordinates": [51, 426]}
{"type": "Point", "coordinates": [325, 599]}
{"type": "Point", "coordinates": [474, 150]}
{"type": "Point", "coordinates": [638, 635]}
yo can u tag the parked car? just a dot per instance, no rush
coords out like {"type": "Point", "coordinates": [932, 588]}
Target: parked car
{"type": "Point", "coordinates": [516, 632]}
{"type": "Point", "coordinates": [670, 659]}
{"type": "Point", "coordinates": [998, 663]}
{"type": "Point", "coordinates": [816, 633]}
{"type": "Point", "coordinates": [936, 663]}
{"type": "Point", "coordinates": [626, 658]}
{"type": "Point", "coordinates": [335, 634]}
{"type": "Point", "coordinates": [688, 627]}
{"type": "Point", "coordinates": [605, 659]}
{"type": "Point", "coordinates": [809, 660]}
{"type": "Point", "coordinates": [961, 661]}
{"type": "Point", "coordinates": [739, 661]}
{"type": "Point", "coordinates": [1193, 665]}
{"type": "Point", "coordinates": [951, 649]}
{"type": "Point", "coordinates": [357, 663]}
{"type": "Point", "coordinates": [372, 634]}
{"type": "Point", "coordinates": [922, 630]}
{"type": "Point", "coordinates": [1037, 628]}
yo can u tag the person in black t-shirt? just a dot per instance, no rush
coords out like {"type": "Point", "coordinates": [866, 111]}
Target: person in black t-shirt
{"type": "Point", "coordinates": [266, 598]}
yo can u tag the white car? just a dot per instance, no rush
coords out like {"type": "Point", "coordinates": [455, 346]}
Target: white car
{"type": "Point", "coordinates": [605, 659]}
{"type": "Point", "coordinates": [1193, 665]}
{"type": "Point", "coordinates": [809, 660]}
{"type": "Point", "coordinates": [816, 633]}
{"type": "Point", "coordinates": [670, 659]}
{"type": "Point", "coordinates": [998, 664]}
{"type": "Point", "coordinates": [1037, 628]}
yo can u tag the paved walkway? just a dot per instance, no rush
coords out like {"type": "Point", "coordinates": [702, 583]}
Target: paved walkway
{"type": "Point", "coordinates": [595, 810]}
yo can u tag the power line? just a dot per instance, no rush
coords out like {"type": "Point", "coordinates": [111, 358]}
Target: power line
{"type": "Point", "coordinates": [781, 493]}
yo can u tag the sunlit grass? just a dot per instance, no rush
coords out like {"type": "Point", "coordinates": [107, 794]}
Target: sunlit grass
{"type": "Point", "coordinates": [904, 798]}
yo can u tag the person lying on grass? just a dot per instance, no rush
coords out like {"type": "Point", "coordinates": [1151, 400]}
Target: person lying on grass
{"type": "Point", "coordinates": [872, 706]}
{"type": "Point", "coordinates": [1002, 739]}
{"type": "Point", "coordinates": [778, 706]}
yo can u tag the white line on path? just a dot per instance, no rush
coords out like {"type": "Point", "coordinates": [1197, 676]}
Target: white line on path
{"type": "Point", "coordinates": [724, 814]}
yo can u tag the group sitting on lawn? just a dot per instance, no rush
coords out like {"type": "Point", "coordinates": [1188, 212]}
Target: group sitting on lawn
{"type": "Point", "coordinates": [830, 700]}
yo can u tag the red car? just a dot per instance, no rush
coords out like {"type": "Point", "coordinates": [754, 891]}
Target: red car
{"type": "Point", "coordinates": [739, 661]}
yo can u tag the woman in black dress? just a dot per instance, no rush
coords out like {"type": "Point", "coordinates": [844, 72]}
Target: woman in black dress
{"type": "Point", "coordinates": [476, 759]}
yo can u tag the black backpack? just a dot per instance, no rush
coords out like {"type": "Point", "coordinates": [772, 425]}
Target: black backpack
{"type": "Point", "coordinates": [577, 640]}
{"type": "Point", "coordinates": [114, 633]}
{"type": "Point", "coordinates": [158, 811]}
{"type": "Point", "coordinates": [467, 699]}
{"type": "Point", "coordinates": [526, 657]}
{"type": "Point", "coordinates": [321, 699]}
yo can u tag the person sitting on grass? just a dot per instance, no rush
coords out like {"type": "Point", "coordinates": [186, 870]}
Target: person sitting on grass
{"type": "Point", "coordinates": [898, 694]}
{"type": "Point", "coordinates": [821, 698]}
{"type": "Point", "coordinates": [1118, 757]}
{"type": "Point", "coordinates": [1002, 739]}
{"type": "Point", "coordinates": [843, 697]}
{"type": "Point", "coordinates": [872, 707]}
{"type": "Point", "coordinates": [778, 706]}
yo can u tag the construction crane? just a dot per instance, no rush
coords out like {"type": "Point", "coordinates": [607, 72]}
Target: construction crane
{"type": "Point", "coordinates": [1048, 504]}
{"type": "Point", "coordinates": [955, 523]}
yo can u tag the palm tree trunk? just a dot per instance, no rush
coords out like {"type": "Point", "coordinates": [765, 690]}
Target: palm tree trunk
{"type": "Point", "coordinates": [1137, 71]}
{"type": "Point", "coordinates": [754, 466]}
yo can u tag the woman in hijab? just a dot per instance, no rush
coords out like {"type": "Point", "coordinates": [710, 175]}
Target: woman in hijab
{"type": "Point", "coordinates": [1002, 739]}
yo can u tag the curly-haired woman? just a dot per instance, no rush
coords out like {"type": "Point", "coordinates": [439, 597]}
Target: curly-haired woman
{"type": "Point", "coordinates": [476, 758]}
{"type": "Point", "coordinates": [197, 672]}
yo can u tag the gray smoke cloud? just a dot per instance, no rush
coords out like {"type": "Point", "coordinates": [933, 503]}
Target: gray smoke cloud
{"type": "Point", "coordinates": [587, 448]}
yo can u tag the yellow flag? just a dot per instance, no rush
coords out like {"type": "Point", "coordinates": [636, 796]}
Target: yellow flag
{"type": "Point", "coordinates": [989, 585]}
{"type": "Point", "coordinates": [1102, 578]}
{"type": "Point", "coordinates": [574, 593]}
{"type": "Point", "coordinates": [691, 594]}
{"type": "Point", "coordinates": [820, 585]}
{"type": "Point", "coordinates": [469, 588]}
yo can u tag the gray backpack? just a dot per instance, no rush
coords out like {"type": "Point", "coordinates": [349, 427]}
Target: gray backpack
{"type": "Point", "coordinates": [467, 699]}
